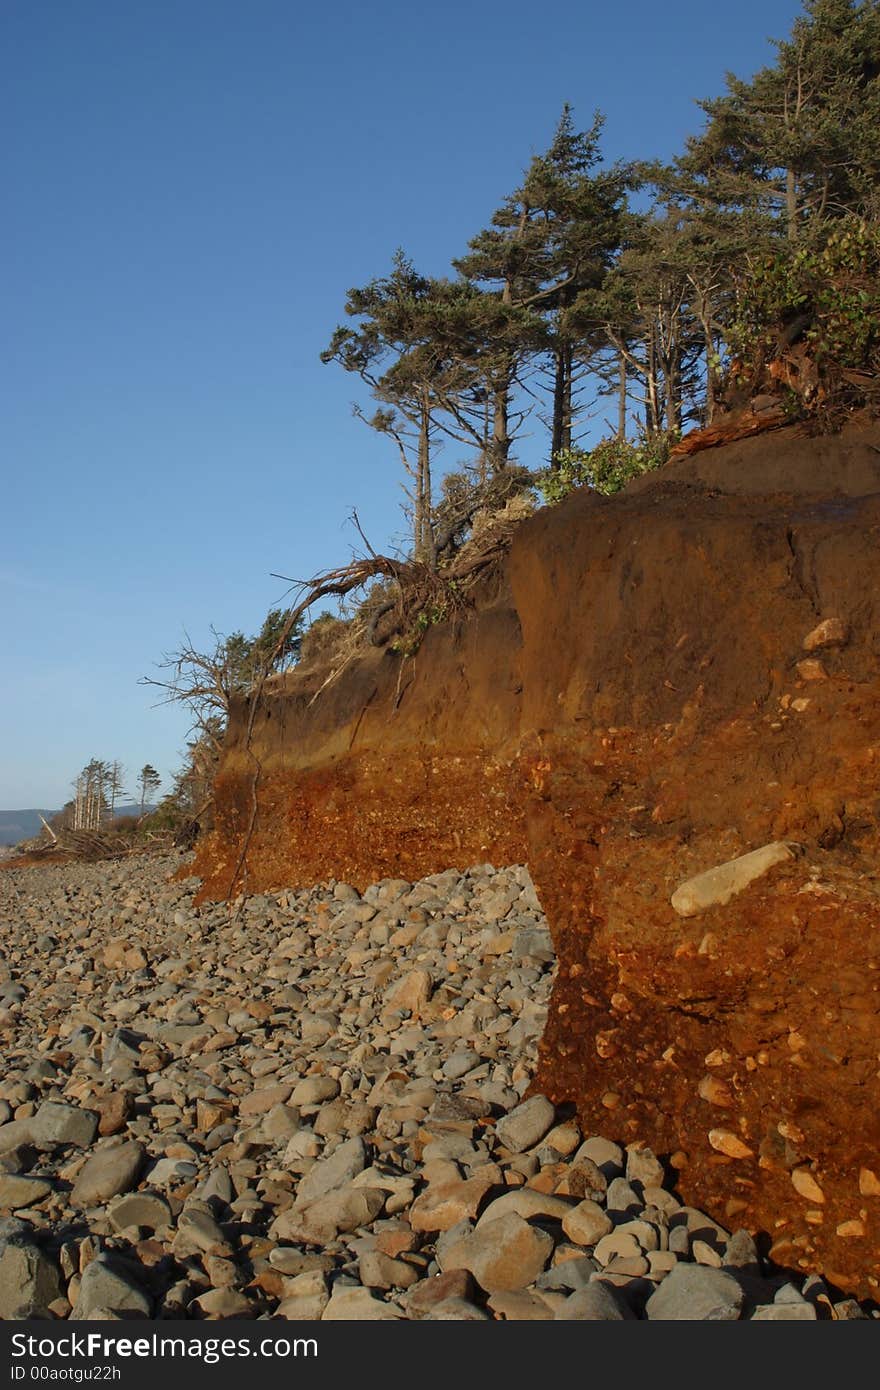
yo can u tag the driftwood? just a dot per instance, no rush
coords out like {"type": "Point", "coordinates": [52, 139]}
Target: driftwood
{"type": "Point", "coordinates": [87, 845]}
{"type": "Point", "coordinates": [740, 424]}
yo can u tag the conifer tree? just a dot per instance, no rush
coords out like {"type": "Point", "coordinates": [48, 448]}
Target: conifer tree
{"type": "Point", "coordinates": [548, 248]}
{"type": "Point", "coordinates": [148, 783]}
{"type": "Point", "coordinates": [430, 351]}
{"type": "Point", "coordinates": [800, 142]}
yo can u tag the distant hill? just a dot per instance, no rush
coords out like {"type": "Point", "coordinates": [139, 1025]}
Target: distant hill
{"type": "Point", "coordinates": [20, 825]}
{"type": "Point", "coordinates": [25, 825]}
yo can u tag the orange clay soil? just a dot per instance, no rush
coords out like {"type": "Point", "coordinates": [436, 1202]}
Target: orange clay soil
{"type": "Point", "coordinates": [628, 705]}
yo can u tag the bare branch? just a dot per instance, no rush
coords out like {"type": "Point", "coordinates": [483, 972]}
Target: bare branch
{"type": "Point", "coordinates": [356, 519]}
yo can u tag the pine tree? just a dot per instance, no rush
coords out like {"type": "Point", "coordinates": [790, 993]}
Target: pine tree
{"type": "Point", "coordinates": [800, 142]}
{"type": "Point", "coordinates": [114, 786]}
{"type": "Point", "coordinates": [389, 351]}
{"type": "Point", "coordinates": [90, 800]}
{"type": "Point", "coordinates": [429, 351]}
{"type": "Point", "coordinates": [548, 250]}
{"type": "Point", "coordinates": [148, 783]}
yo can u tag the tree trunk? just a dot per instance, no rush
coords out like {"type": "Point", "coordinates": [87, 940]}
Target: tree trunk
{"type": "Point", "coordinates": [673, 396]}
{"type": "Point", "coordinates": [621, 397]}
{"type": "Point", "coordinates": [791, 207]}
{"type": "Point", "coordinates": [558, 397]}
{"type": "Point", "coordinates": [503, 382]}
{"type": "Point", "coordinates": [567, 395]}
{"type": "Point", "coordinates": [669, 364]}
{"type": "Point", "coordinates": [500, 448]}
{"type": "Point", "coordinates": [484, 464]}
{"type": "Point", "coordinates": [562, 381]}
{"type": "Point", "coordinates": [711, 402]}
{"type": "Point", "coordinates": [673, 378]}
{"type": "Point", "coordinates": [424, 528]}
{"type": "Point", "coordinates": [652, 389]}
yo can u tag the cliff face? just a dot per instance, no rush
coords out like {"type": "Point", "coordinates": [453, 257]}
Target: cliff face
{"type": "Point", "coordinates": [396, 768]}
{"type": "Point", "coordinates": [631, 703]}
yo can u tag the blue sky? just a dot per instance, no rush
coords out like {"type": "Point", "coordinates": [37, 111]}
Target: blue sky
{"type": "Point", "coordinates": [190, 187]}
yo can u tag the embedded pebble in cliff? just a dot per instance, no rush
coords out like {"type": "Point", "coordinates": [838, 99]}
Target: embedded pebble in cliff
{"type": "Point", "coordinates": [715, 887]}
{"type": "Point", "coordinates": [831, 632]}
{"type": "Point", "coordinates": [313, 1105]}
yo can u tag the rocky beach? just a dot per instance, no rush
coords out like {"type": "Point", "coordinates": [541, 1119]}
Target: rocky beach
{"type": "Point", "coordinates": [318, 1105]}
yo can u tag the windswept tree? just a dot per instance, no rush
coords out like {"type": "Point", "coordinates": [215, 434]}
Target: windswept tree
{"type": "Point", "coordinates": [90, 795]}
{"type": "Point", "coordinates": [148, 783]}
{"type": "Point", "coordinates": [390, 350]}
{"type": "Point", "coordinates": [429, 350]}
{"type": "Point", "coordinates": [649, 303]}
{"type": "Point", "coordinates": [800, 142]}
{"type": "Point", "coordinates": [114, 786]}
{"type": "Point", "coordinates": [547, 251]}
{"type": "Point", "coordinates": [780, 195]}
{"type": "Point", "coordinates": [702, 251]}
{"type": "Point", "coordinates": [468, 335]}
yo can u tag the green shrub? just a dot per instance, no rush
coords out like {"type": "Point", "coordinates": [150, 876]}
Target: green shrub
{"type": "Point", "coordinates": [827, 289]}
{"type": "Point", "coordinates": [606, 468]}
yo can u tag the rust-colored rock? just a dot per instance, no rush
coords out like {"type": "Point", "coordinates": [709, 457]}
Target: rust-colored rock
{"type": "Point", "coordinates": [622, 710]}
{"type": "Point", "coordinates": [114, 1109]}
{"type": "Point", "coordinates": [441, 1206]}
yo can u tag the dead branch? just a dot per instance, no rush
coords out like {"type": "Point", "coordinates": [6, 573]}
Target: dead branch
{"type": "Point", "coordinates": [360, 530]}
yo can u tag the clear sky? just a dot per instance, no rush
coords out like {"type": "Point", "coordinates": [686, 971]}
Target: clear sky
{"type": "Point", "coordinates": [190, 187]}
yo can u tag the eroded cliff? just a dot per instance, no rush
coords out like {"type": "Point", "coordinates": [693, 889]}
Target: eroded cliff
{"type": "Point", "coordinates": [631, 702]}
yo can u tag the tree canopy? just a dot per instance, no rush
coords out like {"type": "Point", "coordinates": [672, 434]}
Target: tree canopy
{"type": "Point", "coordinates": [675, 289]}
